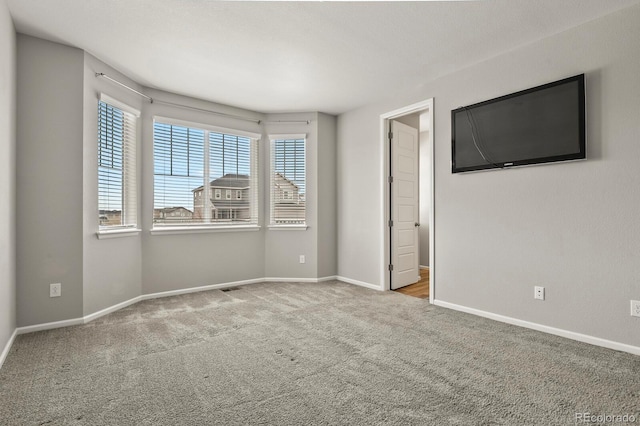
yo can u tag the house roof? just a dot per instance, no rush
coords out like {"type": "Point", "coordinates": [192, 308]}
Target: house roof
{"type": "Point", "coordinates": [171, 209]}
{"type": "Point", "coordinates": [230, 180]}
{"type": "Point", "coordinates": [288, 180]}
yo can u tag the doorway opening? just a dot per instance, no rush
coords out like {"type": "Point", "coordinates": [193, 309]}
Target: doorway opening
{"type": "Point", "coordinates": [402, 226]}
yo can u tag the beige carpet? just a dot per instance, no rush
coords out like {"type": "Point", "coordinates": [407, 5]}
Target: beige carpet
{"type": "Point", "coordinates": [307, 354]}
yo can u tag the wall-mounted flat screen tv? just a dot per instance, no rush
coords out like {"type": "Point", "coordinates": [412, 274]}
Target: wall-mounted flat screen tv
{"type": "Point", "coordinates": [538, 125]}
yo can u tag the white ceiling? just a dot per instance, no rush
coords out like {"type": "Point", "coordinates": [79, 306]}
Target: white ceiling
{"type": "Point", "coordinates": [297, 56]}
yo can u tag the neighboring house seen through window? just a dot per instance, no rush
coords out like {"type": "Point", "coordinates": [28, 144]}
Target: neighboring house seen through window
{"type": "Point", "coordinates": [288, 180]}
{"type": "Point", "coordinates": [117, 198]}
{"type": "Point", "coordinates": [193, 166]}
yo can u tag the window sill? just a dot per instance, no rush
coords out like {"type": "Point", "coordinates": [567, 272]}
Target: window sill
{"type": "Point", "coordinates": [117, 233]}
{"type": "Point", "coordinates": [287, 227]}
{"type": "Point", "coordinates": [170, 230]}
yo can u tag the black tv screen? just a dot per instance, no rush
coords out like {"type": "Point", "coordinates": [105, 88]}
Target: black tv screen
{"type": "Point", "coordinates": [538, 125]}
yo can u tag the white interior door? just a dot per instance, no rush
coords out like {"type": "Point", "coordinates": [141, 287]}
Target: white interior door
{"type": "Point", "coordinates": [404, 205]}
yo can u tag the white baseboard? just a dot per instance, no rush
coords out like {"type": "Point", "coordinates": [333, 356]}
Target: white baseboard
{"type": "Point", "coordinates": [424, 267]}
{"type": "Point", "coordinates": [198, 289]}
{"type": "Point", "coordinates": [544, 328]}
{"type": "Point", "coordinates": [110, 309]}
{"type": "Point", "coordinates": [298, 280]}
{"type": "Point", "coordinates": [289, 280]}
{"type": "Point", "coordinates": [50, 325]}
{"type": "Point", "coordinates": [90, 317]}
{"type": "Point", "coordinates": [7, 347]}
{"type": "Point", "coordinates": [360, 283]}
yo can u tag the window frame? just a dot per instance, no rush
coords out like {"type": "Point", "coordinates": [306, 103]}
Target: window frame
{"type": "Point", "coordinates": [159, 229]}
{"type": "Point", "coordinates": [129, 197]}
{"type": "Point", "coordinates": [272, 224]}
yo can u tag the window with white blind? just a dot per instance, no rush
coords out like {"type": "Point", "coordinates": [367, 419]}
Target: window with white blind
{"type": "Point", "coordinates": [117, 198]}
{"type": "Point", "coordinates": [288, 180]}
{"type": "Point", "coordinates": [203, 176]}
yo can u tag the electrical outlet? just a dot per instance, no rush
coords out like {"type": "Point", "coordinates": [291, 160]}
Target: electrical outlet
{"type": "Point", "coordinates": [302, 259]}
{"type": "Point", "coordinates": [635, 308]}
{"type": "Point", "coordinates": [538, 292]}
{"type": "Point", "coordinates": [55, 290]}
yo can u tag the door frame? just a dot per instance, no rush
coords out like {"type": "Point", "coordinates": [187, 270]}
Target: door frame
{"type": "Point", "coordinates": [385, 249]}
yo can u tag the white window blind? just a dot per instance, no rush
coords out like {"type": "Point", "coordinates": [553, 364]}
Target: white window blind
{"type": "Point", "coordinates": [288, 180]}
{"type": "Point", "coordinates": [196, 171]}
{"type": "Point", "coordinates": [117, 198]}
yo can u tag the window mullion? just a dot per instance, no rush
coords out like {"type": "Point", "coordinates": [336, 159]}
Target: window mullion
{"type": "Point", "coordinates": [206, 186]}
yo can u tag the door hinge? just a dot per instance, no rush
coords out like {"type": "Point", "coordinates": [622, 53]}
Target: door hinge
{"type": "Point", "coordinates": [391, 267]}
{"type": "Point", "coordinates": [390, 135]}
{"type": "Point", "coordinates": [390, 179]}
{"type": "Point", "coordinates": [390, 223]}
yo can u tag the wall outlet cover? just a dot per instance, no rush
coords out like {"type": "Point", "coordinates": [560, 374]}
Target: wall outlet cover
{"type": "Point", "coordinates": [538, 293]}
{"type": "Point", "coordinates": [55, 290]}
{"type": "Point", "coordinates": [635, 308]}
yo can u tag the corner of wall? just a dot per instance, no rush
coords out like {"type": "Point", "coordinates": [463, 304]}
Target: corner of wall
{"type": "Point", "coordinates": [8, 317]}
{"type": "Point", "coordinates": [327, 196]}
{"type": "Point", "coordinates": [111, 268]}
{"type": "Point", "coordinates": [48, 246]}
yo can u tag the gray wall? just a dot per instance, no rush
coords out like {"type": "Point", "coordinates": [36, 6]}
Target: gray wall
{"type": "Point", "coordinates": [283, 247]}
{"type": "Point", "coordinates": [57, 197]}
{"type": "Point", "coordinates": [112, 268]}
{"type": "Point", "coordinates": [411, 120]}
{"type": "Point", "coordinates": [7, 176]}
{"type": "Point", "coordinates": [49, 184]}
{"type": "Point", "coordinates": [173, 262]}
{"type": "Point", "coordinates": [327, 184]}
{"type": "Point", "coordinates": [571, 227]}
{"type": "Point", "coordinates": [57, 188]}
{"type": "Point", "coordinates": [360, 215]}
